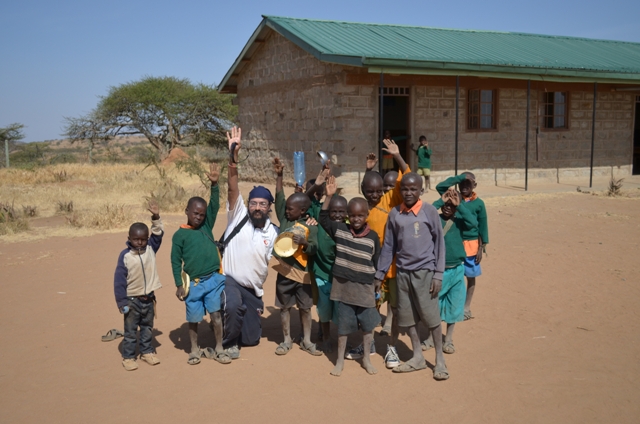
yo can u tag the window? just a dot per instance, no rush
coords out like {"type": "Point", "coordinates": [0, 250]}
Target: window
{"type": "Point", "coordinates": [395, 91]}
{"type": "Point", "coordinates": [482, 109]}
{"type": "Point", "coordinates": [554, 105]}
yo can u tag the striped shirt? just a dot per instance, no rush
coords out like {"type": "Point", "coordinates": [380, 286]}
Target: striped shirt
{"type": "Point", "coordinates": [356, 257]}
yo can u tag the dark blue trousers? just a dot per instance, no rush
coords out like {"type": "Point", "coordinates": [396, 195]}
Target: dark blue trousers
{"type": "Point", "coordinates": [242, 315]}
{"type": "Point", "coordinates": [141, 315]}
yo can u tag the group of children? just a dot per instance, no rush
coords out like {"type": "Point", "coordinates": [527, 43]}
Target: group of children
{"type": "Point", "coordinates": [351, 257]}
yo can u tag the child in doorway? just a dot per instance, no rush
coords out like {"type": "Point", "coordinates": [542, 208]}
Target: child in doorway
{"type": "Point", "coordinates": [293, 283]}
{"type": "Point", "coordinates": [134, 284]}
{"type": "Point", "coordinates": [380, 204]}
{"type": "Point", "coordinates": [424, 161]}
{"type": "Point", "coordinates": [353, 289]}
{"type": "Point", "coordinates": [195, 252]}
{"type": "Point", "coordinates": [456, 219]}
{"type": "Point", "coordinates": [474, 239]}
{"type": "Point", "coordinates": [414, 234]}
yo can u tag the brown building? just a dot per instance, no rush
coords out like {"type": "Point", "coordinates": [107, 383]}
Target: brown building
{"type": "Point", "coordinates": [305, 85]}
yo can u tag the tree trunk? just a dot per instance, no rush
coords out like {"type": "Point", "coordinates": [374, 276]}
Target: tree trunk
{"type": "Point", "coordinates": [91, 152]}
{"type": "Point", "coordinates": [6, 152]}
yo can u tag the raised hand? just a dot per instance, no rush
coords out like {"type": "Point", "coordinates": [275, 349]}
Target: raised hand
{"type": "Point", "coordinates": [235, 137]}
{"type": "Point", "coordinates": [278, 166]}
{"type": "Point", "coordinates": [332, 186]}
{"type": "Point", "coordinates": [214, 173]}
{"type": "Point", "coordinates": [298, 189]}
{"type": "Point", "coordinates": [324, 173]}
{"type": "Point", "coordinates": [372, 161]}
{"type": "Point", "coordinates": [152, 206]}
{"type": "Point", "coordinates": [391, 147]}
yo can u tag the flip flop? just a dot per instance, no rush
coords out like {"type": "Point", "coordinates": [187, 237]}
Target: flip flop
{"type": "Point", "coordinates": [427, 344]}
{"type": "Point", "coordinates": [468, 315]}
{"type": "Point", "coordinates": [440, 373]}
{"type": "Point", "coordinates": [407, 367]}
{"type": "Point", "coordinates": [448, 347]}
{"type": "Point", "coordinates": [112, 335]}
{"type": "Point", "coordinates": [221, 357]}
{"type": "Point", "coordinates": [311, 349]}
{"type": "Point", "coordinates": [283, 348]}
{"type": "Point", "coordinates": [194, 358]}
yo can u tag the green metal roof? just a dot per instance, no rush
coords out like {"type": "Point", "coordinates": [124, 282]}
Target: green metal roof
{"type": "Point", "coordinates": [436, 51]}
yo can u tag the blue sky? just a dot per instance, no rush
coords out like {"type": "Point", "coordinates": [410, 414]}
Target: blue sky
{"type": "Point", "coordinates": [58, 57]}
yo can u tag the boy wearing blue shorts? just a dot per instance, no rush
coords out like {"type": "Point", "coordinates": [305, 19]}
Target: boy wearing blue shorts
{"type": "Point", "coordinates": [456, 218]}
{"type": "Point", "coordinates": [195, 252]}
{"type": "Point", "coordinates": [474, 239]}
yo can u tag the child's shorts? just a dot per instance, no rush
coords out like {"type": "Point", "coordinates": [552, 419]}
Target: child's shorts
{"type": "Point", "coordinates": [351, 318]}
{"type": "Point", "coordinates": [205, 297]}
{"type": "Point", "coordinates": [326, 307]}
{"type": "Point", "coordinates": [289, 293]}
{"type": "Point", "coordinates": [424, 172]}
{"type": "Point", "coordinates": [414, 300]}
{"type": "Point", "coordinates": [452, 295]}
{"type": "Point", "coordinates": [471, 268]}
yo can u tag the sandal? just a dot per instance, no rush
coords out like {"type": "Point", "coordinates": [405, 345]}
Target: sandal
{"type": "Point", "coordinates": [448, 347]}
{"type": "Point", "coordinates": [283, 348]}
{"type": "Point", "coordinates": [440, 373]}
{"type": "Point", "coordinates": [311, 349]}
{"type": "Point", "coordinates": [112, 335]}
{"type": "Point", "coordinates": [221, 357]}
{"type": "Point", "coordinates": [407, 367]}
{"type": "Point", "coordinates": [468, 315]}
{"type": "Point", "coordinates": [194, 358]}
{"type": "Point", "coordinates": [427, 344]}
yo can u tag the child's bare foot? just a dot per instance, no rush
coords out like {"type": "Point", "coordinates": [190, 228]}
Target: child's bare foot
{"type": "Point", "coordinates": [370, 368]}
{"type": "Point", "coordinates": [337, 370]}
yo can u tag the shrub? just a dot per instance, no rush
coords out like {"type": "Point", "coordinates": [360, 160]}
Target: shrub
{"type": "Point", "coordinates": [65, 206]}
{"type": "Point", "coordinates": [615, 187]}
{"type": "Point", "coordinates": [11, 222]}
{"type": "Point", "coordinates": [107, 217]}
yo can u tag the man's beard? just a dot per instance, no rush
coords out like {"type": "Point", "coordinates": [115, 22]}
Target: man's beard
{"type": "Point", "coordinates": [258, 219]}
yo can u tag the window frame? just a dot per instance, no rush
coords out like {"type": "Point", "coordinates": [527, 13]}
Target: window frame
{"type": "Point", "coordinates": [544, 116]}
{"type": "Point", "coordinates": [495, 113]}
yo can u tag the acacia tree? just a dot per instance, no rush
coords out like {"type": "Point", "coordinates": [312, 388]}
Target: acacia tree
{"type": "Point", "coordinates": [10, 134]}
{"type": "Point", "coordinates": [87, 128]}
{"type": "Point", "coordinates": [168, 111]}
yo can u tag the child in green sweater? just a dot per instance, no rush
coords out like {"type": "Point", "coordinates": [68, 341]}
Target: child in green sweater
{"type": "Point", "coordinates": [424, 161]}
{"type": "Point", "coordinates": [456, 218]}
{"type": "Point", "coordinates": [474, 239]}
{"type": "Point", "coordinates": [194, 251]}
{"type": "Point", "coordinates": [293, 283]}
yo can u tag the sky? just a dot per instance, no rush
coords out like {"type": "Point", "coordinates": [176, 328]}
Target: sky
{"type": "Point", "coordinates": [58, 57]}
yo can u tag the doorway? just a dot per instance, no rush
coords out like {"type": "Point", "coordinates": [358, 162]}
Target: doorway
{"type": "Point", "coordinates": [636, 139]}
{"type": "Point", "coordinates": [395, 119]}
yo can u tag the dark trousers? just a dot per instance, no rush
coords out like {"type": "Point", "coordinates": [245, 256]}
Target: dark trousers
{"type": "Point", "coordinates": [242, 312]}
{"type": "Point", "coordinates": [141, 315]}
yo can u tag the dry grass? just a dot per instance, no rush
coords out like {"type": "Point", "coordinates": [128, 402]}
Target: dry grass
{"type": "Point", "coordinates": [85, 192]}
{"type": "Point", "coordinates": [11, 221]}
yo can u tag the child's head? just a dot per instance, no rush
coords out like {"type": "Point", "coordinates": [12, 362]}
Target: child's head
{"type": "Point", "coordinates": [451, 199]}
{"type": "Point", "coordinates": [423, 140]}
{"type": "Point", "coordinates": [468, 185]}
{"type": "Point", "coordinates": [338, 209]}
{"type": "Point", "coordinates": [358, 211]}
{"type": "Point", "coordinates": [389, 180]}
{"type": "Point", "coordinates": [196, 212]}
{"type": "Point", "coordinates": [411, 188]}
{"type": "Point", "coordinates": [318, 193]}
{"type": "Point", "coordinates": [296, 207]}
{"type": "Point", "coordinates": [372, 187]}
{"type": "Point", "coordinates": [387, 134]}
{"type": "Point", "coordinates": [139, 236]}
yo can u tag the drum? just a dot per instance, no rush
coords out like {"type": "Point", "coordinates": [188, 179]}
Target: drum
{"type": "Point", "coordinates": [284, 245]}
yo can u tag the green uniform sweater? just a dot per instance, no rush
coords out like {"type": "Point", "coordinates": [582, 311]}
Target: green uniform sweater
{"type": "Point", "coordinates": [326, 254]}
{"type": "Point", "coordinates": [424, 157]}
{"type": "Point", "coordinates": [463, 220]}
{"type": "Point", "coordinates": [312, 248]}
{"type": "Point", "coordinates": [476, 207]}
{"type": "Point", "coordinates": [193, 249]}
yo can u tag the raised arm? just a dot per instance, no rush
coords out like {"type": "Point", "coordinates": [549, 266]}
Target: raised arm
{"type": "Point", "coordinates": [468, 218]}
{"type": "Point", "coordinates": [450, 182]}
{"type": "Point", "coordinates": [320, 180]}
{"type": "Point", "coordinates": [393, 149]}
{"type": "Point", "coordinates": [328, 225]}
{"type": "Point", "coordinates": [280, 202]}
{"type": "Point", "coordinates": [372, 161]}
{"type": "Point", "coordinates": [232, 180]}
{"type": "Point", "coordinates": [214, 200]}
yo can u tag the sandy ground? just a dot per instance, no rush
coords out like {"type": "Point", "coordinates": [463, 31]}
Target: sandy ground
{"type": "Point", "coordinates": [555, 338]}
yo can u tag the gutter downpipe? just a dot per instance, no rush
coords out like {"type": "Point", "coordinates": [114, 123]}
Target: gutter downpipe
{"type": "Point", "coordinates": [593, 132]}
{"type": "Point", "coordinates": [526, 143]}
{"type": "Point", "coordinates": [457, 114]}
{"type": "Point", "coordinates": [381, 122]}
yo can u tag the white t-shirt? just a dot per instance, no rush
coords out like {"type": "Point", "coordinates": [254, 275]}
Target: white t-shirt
{"type": "Point", "coordinates": [246, 257]}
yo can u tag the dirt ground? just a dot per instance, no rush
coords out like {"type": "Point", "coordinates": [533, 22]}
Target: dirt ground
{"type": "Point", "coordinates": [555, 338]}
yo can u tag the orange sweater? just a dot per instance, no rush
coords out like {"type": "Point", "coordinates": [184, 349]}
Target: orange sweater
{"type": "Point", "coordinates": [378, 215]}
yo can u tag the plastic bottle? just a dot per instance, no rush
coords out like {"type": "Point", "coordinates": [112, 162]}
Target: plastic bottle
{"type": "Point", "coordinates": [299, 172]}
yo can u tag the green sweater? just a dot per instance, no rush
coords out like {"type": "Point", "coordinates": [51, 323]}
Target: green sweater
{"type": "Point", "coordinates": [312, 248]}
{"type": "Point", "coordinates": [424, 157]}
{"type": "Point", "coordinates": [326, 254]}
{"type": "Point", "coordinates": [476, 207]}
{"type": "Point", "coordinates": [193, 250]}
{"type": "Point", "coordinates": [463, 221]}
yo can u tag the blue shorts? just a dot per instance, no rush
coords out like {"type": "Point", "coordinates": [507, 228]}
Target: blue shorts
{"type": "Point", "coordinates": [452, 295]}
{"type": "Point", "coordinates": [471, 268]}
{"type": "Point", "coordinates": [326, 307]}
{"type": "Point", "coordinates": [205, 297]}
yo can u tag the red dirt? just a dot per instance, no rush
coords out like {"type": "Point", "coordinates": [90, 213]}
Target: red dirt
{"type": "Point", "coordinates": [553, 339]}
{"type": "Point", "coordinates": [175, 155]}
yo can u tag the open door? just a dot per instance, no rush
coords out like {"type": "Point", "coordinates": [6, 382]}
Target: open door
{"type": "Point", "coordinates": [395, 120]}
{"type": "Point", "coordinates": [636, 139]}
